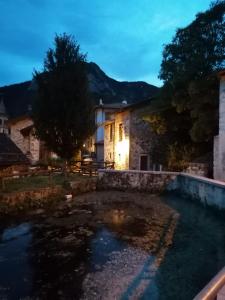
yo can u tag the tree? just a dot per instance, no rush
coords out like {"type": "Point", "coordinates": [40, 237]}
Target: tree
{"type": "Point", "coordinates": [63, 111]}
{"type": "Point", "coordinates": [190, 92]}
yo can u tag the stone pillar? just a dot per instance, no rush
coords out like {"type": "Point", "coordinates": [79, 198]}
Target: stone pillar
{"type": "Point", "coordinates": [219, 141]}
{"type": "Point", "coordinates": [222, 105]}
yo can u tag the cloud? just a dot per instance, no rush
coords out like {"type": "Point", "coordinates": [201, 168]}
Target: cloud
{"type": "Point", "coordinates": [124, 37]}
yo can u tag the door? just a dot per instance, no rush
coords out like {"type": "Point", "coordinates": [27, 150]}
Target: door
{"type": "Point", "coordinates": [144, 162]}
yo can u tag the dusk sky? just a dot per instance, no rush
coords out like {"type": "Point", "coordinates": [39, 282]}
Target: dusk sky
{"type": "Point", "coordinates": [124, 37]}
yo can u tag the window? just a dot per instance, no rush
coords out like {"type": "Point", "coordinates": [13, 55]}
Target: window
{"type": "Point", "coordinates": [108, 116]}
{"type": "Point", "coordinates": [120, 132]}
{"type": "Point", "coordinates": [111, 132]}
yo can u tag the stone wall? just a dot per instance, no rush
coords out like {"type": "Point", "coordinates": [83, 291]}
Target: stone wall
{"type": "Point", "coordinates": [146, 181]}
{"type": "Point", "coordinates": [83, 186]}
{"type": "Point", "coordinates": [201, 189]}
{"type": "Point", "coordinates": [20, 200]}
{"type": "Point", "coordinates": [38, 197]}
{"type": "Point", "coordinates": [140, 140]}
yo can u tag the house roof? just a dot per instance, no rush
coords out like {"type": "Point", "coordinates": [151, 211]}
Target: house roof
{"type": "Point", "coordinates": [112, 106]}
{"type": "Point", "coordinates": [10, 154]}
{"type": "Point", "coordinates": [18, 118]}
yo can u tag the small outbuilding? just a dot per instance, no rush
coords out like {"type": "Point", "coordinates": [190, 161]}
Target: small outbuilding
{"type": "Point", "coordinates": [10, 154]}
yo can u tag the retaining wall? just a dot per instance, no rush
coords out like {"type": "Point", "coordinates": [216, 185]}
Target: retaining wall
{"type": "Point", "coordinates": [205, 190]}
{"type": "Point", "coordinates": [146, 181]}
{"type": "Point", "coordinates": [20, 200]}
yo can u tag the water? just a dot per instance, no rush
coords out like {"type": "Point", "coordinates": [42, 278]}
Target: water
{"type": "Point", "coordinates": [111, 245]}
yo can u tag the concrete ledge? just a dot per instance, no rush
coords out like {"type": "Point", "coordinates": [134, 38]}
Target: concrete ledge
{"type": "Point", "coordinates": [205, 179]}
{"type": "Point", "coordinates": [207, 191]}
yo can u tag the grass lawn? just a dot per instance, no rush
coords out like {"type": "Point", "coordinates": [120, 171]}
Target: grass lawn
{"type": "Point", "coordinates": [32, 182]}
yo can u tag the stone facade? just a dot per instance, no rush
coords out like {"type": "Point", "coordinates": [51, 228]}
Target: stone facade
{"type": "Point", "coordinates": [140, 142]}
{"type": "Point", "coordinates": [219, 141]}
{"type": "Point", "coordinates": [22, 135]}
{"type": "Point", "coordinates": [104, 113]}
{"type": "Point", "coordinates": [109, 142]}
{"type": "Point", "coordinates": [122, 140]}
{"type": "Point", "coordinates": [117, 140]}
{"type": "Point", "coordinates": [127, 140]}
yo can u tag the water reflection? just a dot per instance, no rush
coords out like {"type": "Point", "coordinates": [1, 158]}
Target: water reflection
{"type": "Point", "coordinates": [15, 271]}
{"type": "Point", "coordinates": [103, 244]}
{"type": "Point", "coordinates": [118, 216]}
{"type": "Point", "coordinates": [138, 248]}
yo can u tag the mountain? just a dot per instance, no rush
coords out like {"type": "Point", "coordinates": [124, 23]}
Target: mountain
{"type": "Point", "coordinates": [19, 97]}
{"type": "Point", "coordinates": [111, 90]}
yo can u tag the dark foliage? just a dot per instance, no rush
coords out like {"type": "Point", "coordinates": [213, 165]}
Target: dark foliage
{"type": "Point", "coordinates": [187, 107]}
{"type": "Point", "coordinates": [63, 112]}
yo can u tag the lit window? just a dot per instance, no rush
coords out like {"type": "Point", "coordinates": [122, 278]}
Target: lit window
{"type": "Point", "coordinates": [110, 132]}
{"type": "Point", "coordinates": [120, 132]}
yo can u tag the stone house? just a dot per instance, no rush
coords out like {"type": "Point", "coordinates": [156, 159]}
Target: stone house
{"type": "Point", "coordinates": [219, 140]}
{"type": "Point", "coordinates": [95, 144]}
{"type": "Point", "coordinates": [128, 139]}
{"type": "Point", "coordinates": [22, 134]}
{"type": "Point", "coordinates": [17, 124]}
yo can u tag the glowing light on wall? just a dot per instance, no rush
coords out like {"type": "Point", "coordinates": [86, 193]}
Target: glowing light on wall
{"type": "Point", "coordinates": [122, 154]}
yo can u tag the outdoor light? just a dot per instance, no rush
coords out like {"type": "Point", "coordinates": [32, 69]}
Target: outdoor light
{"type": "Point", "coordinates": [122, 149]}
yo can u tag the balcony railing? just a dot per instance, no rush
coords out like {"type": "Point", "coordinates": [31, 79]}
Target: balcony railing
{"type": "Point", "coordinates": [212, 289]}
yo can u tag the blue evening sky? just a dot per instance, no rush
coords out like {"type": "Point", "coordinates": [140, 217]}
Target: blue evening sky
{"type": "Point", "coordinates": [124, 37]}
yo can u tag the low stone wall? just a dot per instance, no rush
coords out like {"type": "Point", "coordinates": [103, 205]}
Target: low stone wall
{"type": "Point", "coordinates": [205, 190]}
{"type": "Point", "coordinates": [146, 181]}
{"type": "Point", "coordinates": [83, 186]}
{"type": "Point", "coordinates": [21, 200]}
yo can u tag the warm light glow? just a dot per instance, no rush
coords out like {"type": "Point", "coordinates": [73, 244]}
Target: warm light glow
{"type": "Point", "coordinates": [118, 216]}
{"type": "Point", "coordinates": [122, 154]}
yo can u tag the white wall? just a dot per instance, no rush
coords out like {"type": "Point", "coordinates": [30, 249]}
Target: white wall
{"type": "Point", "coordinates": [99, 119]}
{"type": "Point", "coordinates": [219, 141]}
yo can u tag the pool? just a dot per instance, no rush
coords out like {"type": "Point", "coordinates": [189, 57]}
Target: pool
{"type": "Point", "coordinates": [111, 245]}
